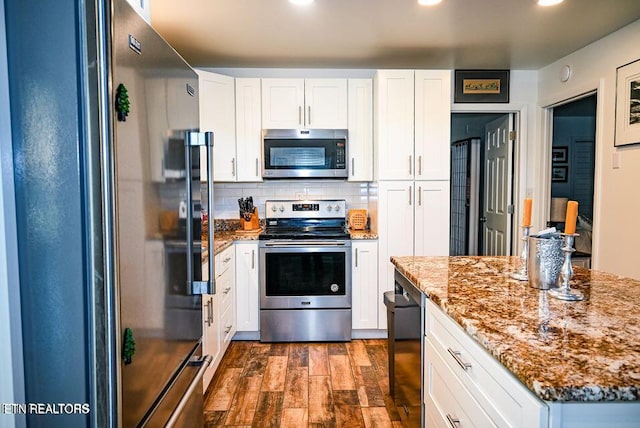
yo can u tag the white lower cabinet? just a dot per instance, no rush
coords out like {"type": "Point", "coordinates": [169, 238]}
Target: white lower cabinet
{"type": "Point", "coordinates": [464, 383]}
{"type": "Point", "coordinates": [218, 312]}
{"type": "Point", "coordinates": [364, 284]}
{"type": "Point", "coordinates": [247, 287]}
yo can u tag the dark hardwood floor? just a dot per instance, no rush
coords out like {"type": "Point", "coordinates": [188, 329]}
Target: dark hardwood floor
{"type": "Point", "coordinates": [302, 385]}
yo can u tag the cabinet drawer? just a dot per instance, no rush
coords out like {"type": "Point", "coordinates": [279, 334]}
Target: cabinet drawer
{"type": "Point", "coordinates": [224, 261]}
{"type": "Point", "coordinates": [225, 290]}
{"type": "Point", "coordinates": [447, 402]}
{"type": "Point", "coordinates": [504, 398]}
{"type": "Point", "coordinates": [227, 325]}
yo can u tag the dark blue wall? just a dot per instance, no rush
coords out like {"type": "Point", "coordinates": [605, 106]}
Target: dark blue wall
{"type": "Point", "coordinates": [45, 70]}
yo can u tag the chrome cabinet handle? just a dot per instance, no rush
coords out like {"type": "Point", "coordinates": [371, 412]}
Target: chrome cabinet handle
{"type": "Point", "coordinates": [420, 165]}
{"type": "Point", "coordinates": [420, 196]}
{"type": "Point", "coordinates": [453, 421]}
{"type": "Point", "coordinates": [226, 290]}
{"type": "Point", "coordinates": [208, 320]}
{"type": "Point", "coordinates": [356, 257]}
{"type": "Point", "coordinates": [353, 166]}
{"type": "Point", "coordinates": [226, 260]}
{"type": "Point", "coordinates": [410, 191]}
{"type": "Point", "coordinates": [257, 161]}
{"type": "Point", "coordinates": [309, 110]}
{"type": "Point", "coordinates": [299, 115]}
{"type": "Point", "coordinates": [253, 259]}
{"type": "Point", "coordinates": [410, 164]}
{"type": "Point", "coordinates": [228, 329]}
{"type": "Point", "coordinates": [456, 356]}
{"type": "Point", "coordinates": [233, 167]}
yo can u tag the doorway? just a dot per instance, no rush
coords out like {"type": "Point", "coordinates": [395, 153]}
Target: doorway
{"type": "Point", "coordinates": [482, 171]}
{"type": "Point", "coordinates": [573, 168]}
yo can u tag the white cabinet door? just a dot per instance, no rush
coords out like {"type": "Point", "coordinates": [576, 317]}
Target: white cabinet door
{"type": "Point", "coordinates": [364, 284]}
{"type": "Point", "coordinates": [360, 119]}
{"type": "Point", "coordinates": [248, 129]}
{"type": "Point", "coordinates": [325, 103]}
{"type": "Point", "coordinates": [432, 124]}
{"type": "Point", "coordinates": [395, 233]}
{"type": "Point", "coordinates": [217, 114]}
{"type": "Point", "coordinates": [211, 339]}
{"type": "Point", "coordinates": [432, 218]}
{"type": "Point", "coordinates": [282, 103]}
{"type": "Point", "coordinates": [247, 287]}
{"type": "Point", "coordinates": [393, 127]}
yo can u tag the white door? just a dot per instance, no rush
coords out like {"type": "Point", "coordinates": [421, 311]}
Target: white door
{"type": "Point", "coordinates": [282, 103]}
{"type": "Point", "coordinates": [395, 230]}
{"type": "Point", "coordinates": [325, 103]}
{"type": "Point", "coordinates": [496, 232]}
{"type": "Point", "coordinates": [248, 129]}
{"type": "Point", "coordinates": [432, 203]}
{"type": "Point", "coordinates": [393, 127]}
{"type": "Point", "coordinates": [217, 114]}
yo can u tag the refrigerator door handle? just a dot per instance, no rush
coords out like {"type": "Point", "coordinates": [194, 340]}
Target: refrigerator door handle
{"type": "Point", "coordinates": [199, 139]}
{"type": "Point", "coordinates": [204, 364]}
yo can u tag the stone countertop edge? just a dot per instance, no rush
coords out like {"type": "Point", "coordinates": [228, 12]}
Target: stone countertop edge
{"type": "Point", "coordinates": [585, 351]}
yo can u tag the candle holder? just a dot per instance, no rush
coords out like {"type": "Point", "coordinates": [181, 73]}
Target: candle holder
{"type": "Point", "coordinates": [523, 273]}
{"type": "Point", "coordinates": [564, 292]}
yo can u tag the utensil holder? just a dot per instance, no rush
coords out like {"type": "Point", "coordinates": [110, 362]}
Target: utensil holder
{"type": "Point", "coordinates": [252, 224]}
{"type": "Point", "coordinates": [544, 261]}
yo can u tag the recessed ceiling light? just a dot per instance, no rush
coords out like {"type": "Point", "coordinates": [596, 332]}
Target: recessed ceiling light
{"type": "Point", "coordinates": [301, 2]}
{"type": "Point", "coordinates": [549, 2]}
{"type": "Point", "coordinates": [428, 2]}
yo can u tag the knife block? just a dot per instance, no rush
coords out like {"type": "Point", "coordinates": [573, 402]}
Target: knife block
{"type": "Point", "coordinates": [253, 224]}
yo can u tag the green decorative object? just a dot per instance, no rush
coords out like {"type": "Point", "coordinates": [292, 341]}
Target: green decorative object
{"type": "Point", "coordinates": [128, 346]}
{"type": "Point", "coordinates": [122, 103]}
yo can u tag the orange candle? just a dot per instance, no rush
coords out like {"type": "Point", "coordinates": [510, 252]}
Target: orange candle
{"type": "Point", "coordinates": [526, 218]}
{"type": "Point", "coordinates": [572, 216]}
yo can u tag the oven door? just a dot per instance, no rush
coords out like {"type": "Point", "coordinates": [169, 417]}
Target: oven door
{"type": "Point", "coordinates": [305, 274]}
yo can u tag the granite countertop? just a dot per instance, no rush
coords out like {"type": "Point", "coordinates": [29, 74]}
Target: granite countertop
{"type": "Point", "coordinates": [362, 234]}
{"type": "Point", "coordinates": [562, 351]}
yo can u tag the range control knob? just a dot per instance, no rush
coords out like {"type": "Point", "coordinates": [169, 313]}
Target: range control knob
{"type": "Point", "coordinates": [337, 208]}
{"type": "Point", "coordinates": [281, 208]}
{"type": "Point", "coordinates": [329, 208]}
{"type": "Point", "coordinates": [273, 208]}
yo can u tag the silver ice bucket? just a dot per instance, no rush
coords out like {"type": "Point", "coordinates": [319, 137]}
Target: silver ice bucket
{"type": "Point", "coordinates": [544, 261]}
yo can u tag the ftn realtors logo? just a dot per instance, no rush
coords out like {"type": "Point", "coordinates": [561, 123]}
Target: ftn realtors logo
{"type": "Point", "coordinates": [45, 408]}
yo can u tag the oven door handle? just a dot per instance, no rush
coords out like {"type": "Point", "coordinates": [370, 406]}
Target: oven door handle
{"type": "Point", "coordinates": [299, 243]}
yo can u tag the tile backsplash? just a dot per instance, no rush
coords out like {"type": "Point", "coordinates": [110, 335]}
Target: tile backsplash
{"type": "Point", "coordinates": [226, 195]}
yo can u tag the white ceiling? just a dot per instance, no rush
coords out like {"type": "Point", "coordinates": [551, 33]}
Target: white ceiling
{"type": "Point", "coordinates": [509, 34]}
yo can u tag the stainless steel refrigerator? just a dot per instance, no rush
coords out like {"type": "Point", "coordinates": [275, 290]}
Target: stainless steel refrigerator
{"type": "Point", "coordinates": [163, 193]}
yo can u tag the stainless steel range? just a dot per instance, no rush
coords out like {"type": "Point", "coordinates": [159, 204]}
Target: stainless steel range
{"type": "Point", "coordinates": [305, 272]}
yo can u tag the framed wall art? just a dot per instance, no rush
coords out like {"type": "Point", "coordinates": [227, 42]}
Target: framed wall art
{"type": "Point", "coordinates": [559, 174]}
{"type": "Point", "coordinates": [481, 86]}
{"type": "Point", "coordinates": [628, 104]}
{"type": "Point", "coordinates": [559, 154]}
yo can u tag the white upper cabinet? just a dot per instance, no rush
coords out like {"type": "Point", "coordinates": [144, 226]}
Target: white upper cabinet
{"type": "Point", "coordinates": [325, 103]}
{"type": "Point", "coordinates": [432, 124]}
{"type": "Point", "coordinates": [248, 129]}
{"type": "Point", "coordinates": [360, 119]}
{"type": "Point", "coordinates": [300, 103]}
{"type": "Point", "coordinates": [393, 129]}
{"type": "Point", "coordinates": [217, 114]}
{"type": "Point", "coordinates": [413, 121]}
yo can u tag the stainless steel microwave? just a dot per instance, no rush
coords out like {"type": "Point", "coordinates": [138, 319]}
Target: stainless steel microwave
{"type": "Point", "coordinates": [305, 153]}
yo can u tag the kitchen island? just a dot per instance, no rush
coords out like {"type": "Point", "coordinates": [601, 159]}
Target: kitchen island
{"type": "Point", "coordinates": [579, 359]}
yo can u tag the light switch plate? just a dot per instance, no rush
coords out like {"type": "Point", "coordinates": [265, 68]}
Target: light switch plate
{"type": "Point", "coordinates": [615, 160]}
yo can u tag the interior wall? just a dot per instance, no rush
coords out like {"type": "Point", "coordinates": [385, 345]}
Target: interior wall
{"type": "Point", "coordinates": [616, 232]}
